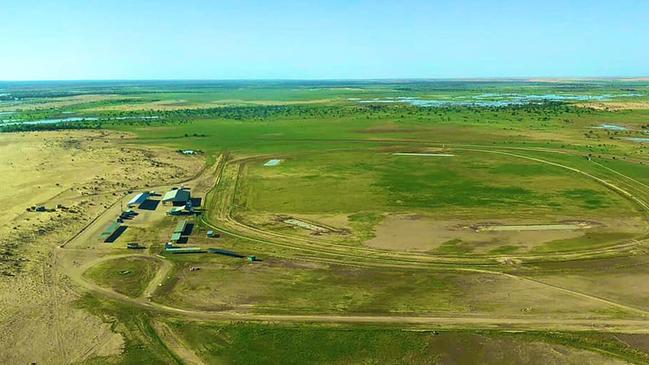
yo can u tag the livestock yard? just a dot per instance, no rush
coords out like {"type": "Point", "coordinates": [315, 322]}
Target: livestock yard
{"type": "Point", "coordinates": [325, 222]}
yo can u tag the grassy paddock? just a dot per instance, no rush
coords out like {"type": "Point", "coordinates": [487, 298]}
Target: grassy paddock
{"type": "Point", "coordinates": [258, 343]}
{"type": "Point", "coordinates": [128, 276]}
{"type": "Point", "coordinates": [285, 287]}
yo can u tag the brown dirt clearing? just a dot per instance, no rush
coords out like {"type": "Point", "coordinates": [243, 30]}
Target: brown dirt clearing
{"type": "Point", "coordinates": [417, 233]}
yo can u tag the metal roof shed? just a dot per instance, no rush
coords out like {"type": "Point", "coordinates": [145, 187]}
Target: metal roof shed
{"type": "Point", "coordinates": [110, 230]}
{"type": "Point", "coordinates": [180, 227]}
{"type": "Point", "coordinates": [177, 196]}
{"type": "Point", "coordinates": [138, 199]}
{"type": "Point", "coordinates": [177, 210]}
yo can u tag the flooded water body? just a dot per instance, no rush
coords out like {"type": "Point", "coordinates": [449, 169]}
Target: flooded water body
{"type": "Point", "coordinates": [273, 162]}
{"type": "Point", "coordinates": [51, 121]}
{"type": "Point", "coordinates": [10, 122]}
{"type": "Point", "coordinates": [611, 127]}
{"type": "Point", "coordinates": [638, 139]}
{"type": "Point", "coordinates": [490, 99]}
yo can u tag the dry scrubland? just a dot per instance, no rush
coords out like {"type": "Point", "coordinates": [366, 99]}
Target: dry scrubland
{"type": "Point", "coordinates": [82, 173]}
{"type": "Point", "coordinates": [615, 106]}
{"type": "Point", "coordinates": [59, 102]}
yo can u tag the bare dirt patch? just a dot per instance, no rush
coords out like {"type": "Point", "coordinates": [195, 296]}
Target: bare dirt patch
{"type": "Point", "coordinates": [333, 226]}
{"type": "Point", "coordinates": [567, 226]}
{"type": "Point", "coordinates": [418, 233]}
{"type": "Point", "coordinates": [176, 344]}
{"type": "Point", "coordinates": [615, 105]}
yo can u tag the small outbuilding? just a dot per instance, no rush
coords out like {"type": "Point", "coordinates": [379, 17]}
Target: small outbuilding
{"type": "Point", "coordinates": [179, 231]}
{"type": "Point", "coordinates": [184, 210]}
{"type": "Point", "coordinates": [138, 199]}
{"type": "Point", "coordinates": [128, 214]}
{"type": "Point", "coordinates": [112, 232]}
{"type": "Point", "coordinates": [177, 197]}
{"type": "Point", "coordinates": [220, 251]}
{"type": "Point", "coordinates": [181, 227]}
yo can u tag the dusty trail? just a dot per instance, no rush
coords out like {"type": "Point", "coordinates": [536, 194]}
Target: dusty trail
{"type": "Point", "coordinates": [606, 325]}
{"type": "Point", "coordinates": [163, 272]}
{"type": "Point", "coordinates": [635, 181]}
{"type": "Point", "coordinates": [76, 274]}
{"type": "Point", "coordinates": [176, 344]}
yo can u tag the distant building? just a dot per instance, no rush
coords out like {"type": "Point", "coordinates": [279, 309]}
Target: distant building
{"type": "Point", "coordinates": [181, 227]}
{"type": "Point", "coordinates": [220, 251]}
{"type": "Point", "coordinates": [112, 232]}
{"type": "Point", "coordinates": [177, 197]}
{"type": "Point", "coordinates": [128, 214]}
{"type": "Point", "coordinates": [188, 152]}
{"type": "Point", "coordinates": [182, 210]}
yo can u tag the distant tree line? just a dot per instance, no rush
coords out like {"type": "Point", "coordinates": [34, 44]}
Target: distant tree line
{"type": "Point", "coordinates": [545, 111]}
{"type": "Point", "coordinates": [22, 127]}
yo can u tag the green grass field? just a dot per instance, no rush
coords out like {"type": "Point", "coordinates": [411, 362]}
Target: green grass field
{"type": "Point", "coordinates": [262, 344]}
{"type": "Point", "coordinates": [128, 276]}
{"type": "Point", "coordinates": [477, 183]}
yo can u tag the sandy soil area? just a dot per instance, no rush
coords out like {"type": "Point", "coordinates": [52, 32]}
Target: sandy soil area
{"type": "Point", "coordinates": [615, 105]}
{"type": "Point", "coordinates": [76, 174]}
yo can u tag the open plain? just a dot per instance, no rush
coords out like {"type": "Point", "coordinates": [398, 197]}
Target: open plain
{"type": "Point", "coordinates": [325, 222]}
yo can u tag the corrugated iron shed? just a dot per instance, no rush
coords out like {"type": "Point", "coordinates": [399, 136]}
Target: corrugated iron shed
{"type": "Point", "coordinates": [110, 230]}
{"type": "Point", "coordinates": [177, 196]}
{"type": "Point", "coordinates": [180, 227]}
{"type": "Point", "coordinates": [138, 199]}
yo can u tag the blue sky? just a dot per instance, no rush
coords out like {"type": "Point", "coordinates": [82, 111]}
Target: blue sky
{"type": "Point", "coordinates": [201, 39]}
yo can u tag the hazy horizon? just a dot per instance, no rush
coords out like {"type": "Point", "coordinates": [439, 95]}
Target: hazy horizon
{"type": "Point", "coordinates": [386, 79]}
{"type": "Point", "coordinates": [334, 40]}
